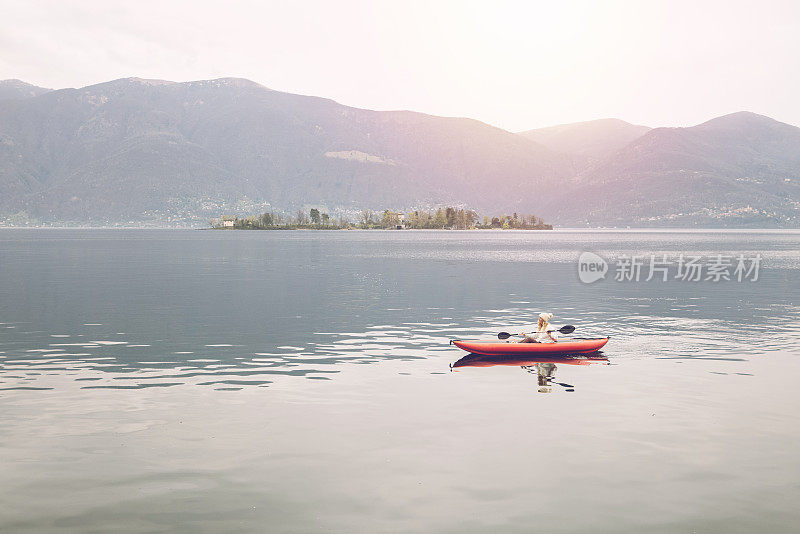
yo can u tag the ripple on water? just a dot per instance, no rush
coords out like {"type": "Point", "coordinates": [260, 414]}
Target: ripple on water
{"type": "Point", "coordinates": [678, 324]}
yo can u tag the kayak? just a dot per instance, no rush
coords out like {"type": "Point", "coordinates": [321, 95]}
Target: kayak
{"type": "Point", "coordinates": [496, 348]}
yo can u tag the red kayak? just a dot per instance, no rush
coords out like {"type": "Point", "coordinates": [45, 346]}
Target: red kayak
{"type": "Point", "coordinates": [496, 348]}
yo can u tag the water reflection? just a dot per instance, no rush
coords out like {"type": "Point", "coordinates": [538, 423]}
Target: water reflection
{"type": "Point", "coordinates": [126, 310]}
{"type": "Point", "coordinates": [543, 367]}
{"type": "Point", "coordinates": [340, 357]}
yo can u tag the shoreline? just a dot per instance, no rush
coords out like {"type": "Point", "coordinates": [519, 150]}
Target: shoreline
{"type": "Point", "coordinates": [565, 229]}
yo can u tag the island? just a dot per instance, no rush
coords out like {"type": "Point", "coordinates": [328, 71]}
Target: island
{"type": "Point", "coordinates": [448, 218]}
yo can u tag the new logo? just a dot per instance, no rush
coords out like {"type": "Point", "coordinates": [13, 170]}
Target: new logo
{"type": "Point", "coordinates": [591, 267]}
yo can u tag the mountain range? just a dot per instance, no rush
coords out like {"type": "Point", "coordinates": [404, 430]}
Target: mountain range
{"type": "Point", "coordinates": [16, 89]}
{"type": "Point", "coordinates": [153, 152]}
{"type": "Point", "coordinates": [592, 139]}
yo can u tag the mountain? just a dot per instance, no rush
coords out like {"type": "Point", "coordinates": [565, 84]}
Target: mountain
{"type": "Point", "coordinates": [16, 89]}
{"type": "Point", "coordinates": [154, 152]}
{"type": "Point", "coordinates": [741, 169]}
{"type": "Point", "coordinates": [148, 150]}
{"type": "Point", "coordinates": [593, 139]}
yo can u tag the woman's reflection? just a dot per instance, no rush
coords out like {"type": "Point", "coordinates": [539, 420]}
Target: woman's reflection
{"type": "Point", "coordinates": [544, 369]}
{"type": "Point", "coordinates": [545, 372]}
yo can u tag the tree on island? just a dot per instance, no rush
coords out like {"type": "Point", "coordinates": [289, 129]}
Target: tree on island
{"type": "Point", "coordinates": [367, 219]}
{"type": "Point", "coordinates": [390, 219]}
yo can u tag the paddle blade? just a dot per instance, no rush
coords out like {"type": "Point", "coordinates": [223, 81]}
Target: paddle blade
{"type": "Point", "coordinates": [567, 329]}
{"type": "Point", "coordinates": [503, 335]}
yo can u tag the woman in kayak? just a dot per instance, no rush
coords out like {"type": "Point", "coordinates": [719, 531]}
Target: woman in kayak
{"type": "Point", "coordinates": [544, 332]}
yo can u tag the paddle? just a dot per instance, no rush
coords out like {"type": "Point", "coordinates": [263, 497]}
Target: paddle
{"type": "Point", "coordinates": [566, 329]}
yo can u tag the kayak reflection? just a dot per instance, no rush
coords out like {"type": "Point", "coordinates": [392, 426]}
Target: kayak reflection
{"type": "Point", "coordinates": [544, 367]}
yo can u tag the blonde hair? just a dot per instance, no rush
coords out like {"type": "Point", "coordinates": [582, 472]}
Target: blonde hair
{"type": "Point", "coordinates": [544, 320]}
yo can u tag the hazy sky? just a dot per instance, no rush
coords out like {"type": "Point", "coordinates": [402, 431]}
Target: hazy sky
{"type": "Point", "coordinates": [517, 65]}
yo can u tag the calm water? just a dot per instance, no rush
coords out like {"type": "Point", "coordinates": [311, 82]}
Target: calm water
{"type": "Point", "coordinates": [198, 381]}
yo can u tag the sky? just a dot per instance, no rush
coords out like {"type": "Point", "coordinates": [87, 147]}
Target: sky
{"type": "Point", "coordinates": [516, 65]}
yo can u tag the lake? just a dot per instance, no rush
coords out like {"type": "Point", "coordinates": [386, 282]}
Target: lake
{"type": "Point", "coordinates": [297, 381]}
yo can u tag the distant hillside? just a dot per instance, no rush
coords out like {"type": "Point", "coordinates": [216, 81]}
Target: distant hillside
{"type": "Point", "coordinates": [742, 169]}
{"type": "Point", "coordinates": [593, 139]}
{"type": "Point", "coordinates": [15, 89]}
{"type": "Point", "coordinates": [133, 150]}
{"type": "Point", "coordinates": [136, 151]}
